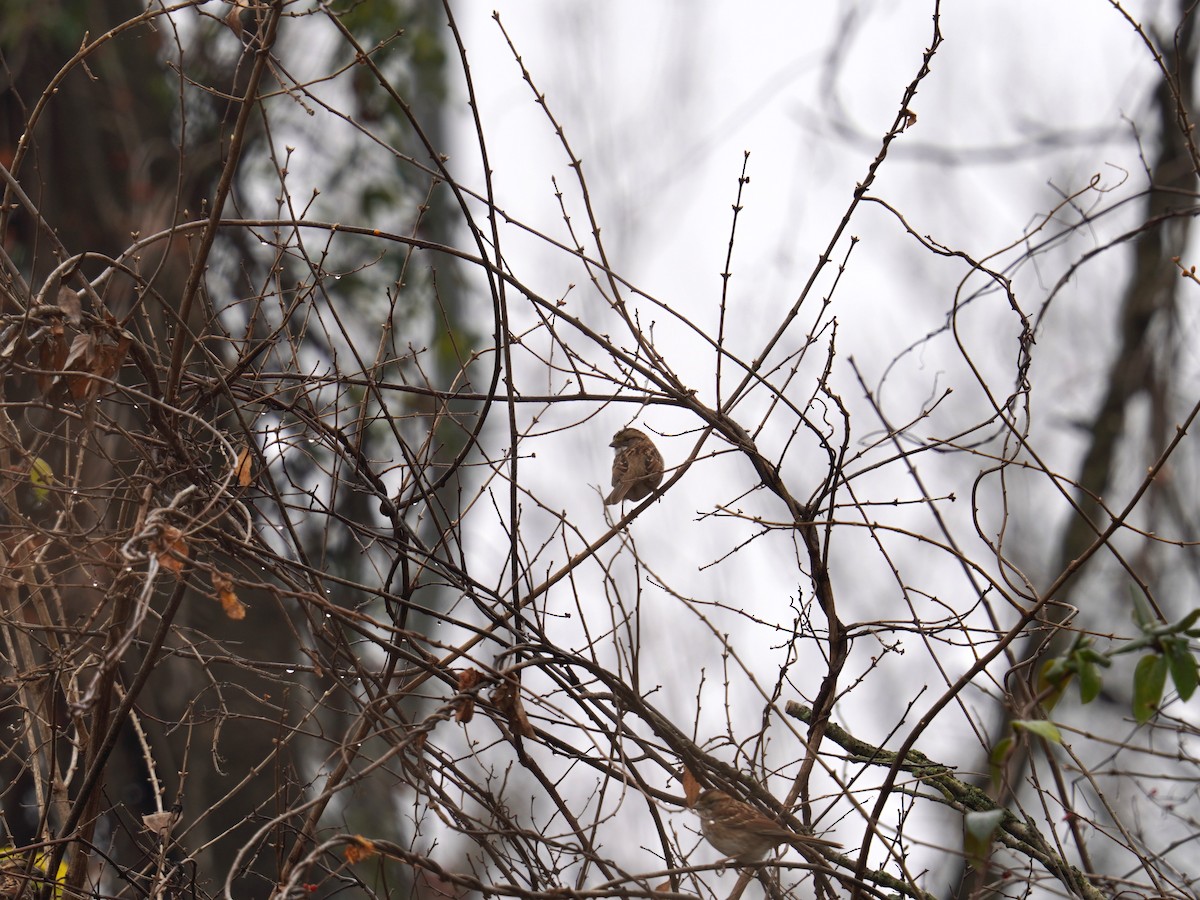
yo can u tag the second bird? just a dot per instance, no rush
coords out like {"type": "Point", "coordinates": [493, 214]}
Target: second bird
{"type": "Point", "coordinates": [740, 831]}
{"type": "Point", "coordinates": [637, 467]}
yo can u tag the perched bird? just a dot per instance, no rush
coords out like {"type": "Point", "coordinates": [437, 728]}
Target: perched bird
{"type": "Point", "coordinates": [739, 830]}
{"type": "Point", "coordinates": [18, 878]}
{"type": "Point", "coordinates": [637, 467]}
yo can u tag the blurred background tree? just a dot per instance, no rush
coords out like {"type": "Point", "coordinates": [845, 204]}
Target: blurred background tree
{"type": "Point", "coordinates": [119, 120]}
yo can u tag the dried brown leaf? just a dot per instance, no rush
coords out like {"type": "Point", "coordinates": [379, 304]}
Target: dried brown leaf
{"type": "Point", "coordinates": [81, 351]}
{"type": "Point", "coordinates": [465, 704]}
{"type": "Point", "coordinates": [161, 823]}
{"type": "Point", "coordinates": [94, 357]}
{"type": "Point", "coordinates": [110, 356]}
{"type": "Point", "coordinates": [691, 787]}
{"type": "Point", "coordinates": [244, 467]}
{"type": "Point", "coordinates": [507, 699]}
{"type": "Point", "coordinates": [68, 302]}
{"type": "Point", "coordinates": [170, 549]}
{"type": "Point", "coordinates": [234, 608]}
{"type": "Point", "coordinates": [233, 18]}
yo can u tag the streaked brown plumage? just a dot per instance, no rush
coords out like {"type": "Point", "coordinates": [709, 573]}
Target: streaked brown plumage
{"type": "Point", "coordinates": [13, 878]}
{"type": "Point", "coordinates": [739, 830]}
{"type": "Point", "coordinates": [637, 467]}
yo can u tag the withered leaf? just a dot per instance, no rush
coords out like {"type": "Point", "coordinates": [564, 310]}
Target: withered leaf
{"type": "Point", "coordinates": [161, 823]}
{"type": "Point", "coordinates": [94, 356]}
{"type": "Point", "coordinates": [465, 709]}
{"type": "Point", "coordinates": [244, 467]}
{"type": "Point", "coordinates": [170, 549]}
{"type": "Point", "coordinates": [68, 302]}
{"type": "Point", "coordinates": [691, 787]}
{"type": "Point", "coordinates": [234, 608]}
{"type": "Point", "coordinates": [233, 18]}
{"type": "Point", "coordinates": [507, 699]}
{"type": "Point", "coordinates": [81, 351]}
{"type": "Point", "coordinates": [359, 849]}
{"type": "Point", "coordinates": [110, 356]}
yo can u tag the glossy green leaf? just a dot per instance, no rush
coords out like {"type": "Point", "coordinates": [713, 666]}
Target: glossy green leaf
{"type": "Point", "coordinates": [1053, 679]}
{"type": "Point", "coordinates": [1094, 656]}
{"type": "Point", "coordinates": [1182, 665]}
{"type": "Point", "coordinates": [1053, 671]}
{"type": "Point", "coordinates": [1090, 681]}
{"type": "Point", "coordinates": [1043, 728]}
{"type": "Point", "coordinates": [1149, 679]}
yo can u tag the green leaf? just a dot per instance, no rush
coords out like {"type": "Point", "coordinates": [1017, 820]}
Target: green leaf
{"type": "Point", "coordinates": [41, 476]}
{"type": "Point", "coordinates": [1090, 681]}
{"type": "Point", "coordinates": [1053, 671]}
{"type": "Point", "coordinates": [1043, 728]}
{"type": "Point", "coordinates": [1182, 666]}
{"type": "Point", "coordinates": [996, 760]}
{"type": "Point", "coordinates": [1053, 679]}
{"type": "Point", "coordinates": [1189, 620]}
{"type": "Point", "coordinates": [1149, 678]}
{"type": "Point", "coordinates": [978, 829]}
{"type": "Point", "coordinates": [1087, 654]}
{"type": "Point", "coordinates": [1143, 616]}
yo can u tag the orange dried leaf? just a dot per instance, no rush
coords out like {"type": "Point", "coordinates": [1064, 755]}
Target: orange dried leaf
{"type": "Point", "coordinates": [691, 787]}
{"type": "Point", "coordinates": [234, 608]}
{"type": "Point", "coordinates": [244, 467]}
{"type": "Point", "coordinates": [359, 849]}
{"type": "Point", "coordinates": [170, 549]}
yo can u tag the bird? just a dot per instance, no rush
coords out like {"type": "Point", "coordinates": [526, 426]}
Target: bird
{"type": "Point", "coordinates": [16, 876]}
{"type": "Point", "coordinates": [637, 467]}
{"type": "Point", "coordinates": [740, 831]}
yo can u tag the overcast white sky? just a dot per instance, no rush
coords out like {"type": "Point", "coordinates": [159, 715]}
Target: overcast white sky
{"type": "Point", "coordinates": [661, 100]}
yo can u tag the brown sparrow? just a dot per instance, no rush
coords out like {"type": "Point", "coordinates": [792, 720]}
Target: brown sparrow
{"type": "Point", "coordinates": [637, 467]}
{"type": "Point", "coordinates": [739, 830]}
